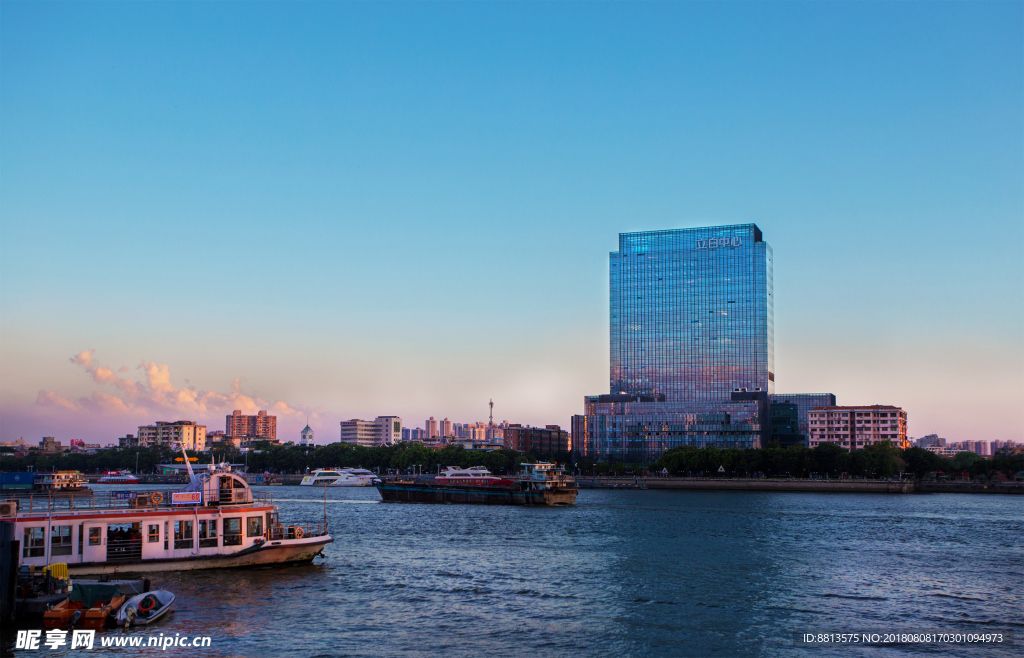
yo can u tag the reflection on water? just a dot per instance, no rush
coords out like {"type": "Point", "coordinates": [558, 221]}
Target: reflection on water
{"type": "Point", "coordinates": [621, 573]}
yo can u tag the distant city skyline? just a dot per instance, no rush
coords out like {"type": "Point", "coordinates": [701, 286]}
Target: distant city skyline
{"type": "Point", "coordinates": [354, 210]}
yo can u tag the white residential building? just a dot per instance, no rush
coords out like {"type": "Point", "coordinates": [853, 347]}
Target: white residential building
{"type": "Point", "coordinates": [173, 435]}
{"type": "Point", "coordinates": [856, 427]}
{"type": "Point", "coordinates": [383, 430]}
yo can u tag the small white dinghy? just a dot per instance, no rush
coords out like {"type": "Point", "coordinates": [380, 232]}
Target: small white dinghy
{"type": "Point", "coordinates": [145, 608]}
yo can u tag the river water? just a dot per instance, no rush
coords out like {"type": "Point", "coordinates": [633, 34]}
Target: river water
{"type": "Point", "coordinates": [634, 573]}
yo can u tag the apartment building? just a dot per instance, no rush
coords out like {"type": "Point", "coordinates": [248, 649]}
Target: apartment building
{"type": "Point", "coordinates": [261, 427]}
{"type": "Point", "coordinates": [186, 433]}
{"type": "Point", "coordinates": [857, 427]}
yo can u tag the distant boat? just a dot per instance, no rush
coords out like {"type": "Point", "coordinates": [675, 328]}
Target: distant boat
{"type": "Point", "coordinates": [342, 477]}
{"type": "Point", "coordinates": [118, 477]}
{"type": "Point", "coordinates": [539, 484]}
{"type": "Point", "coordinates": [355, 477]}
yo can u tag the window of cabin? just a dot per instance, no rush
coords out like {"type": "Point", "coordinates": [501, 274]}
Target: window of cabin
{"type": "Point", "coordinates": [182, 534]}
{"type": "Point", "coordinates": [60, 540]}
{"type": "Point", "coordinates": [34, 544]}
{"type": "Point", "coordinates": [208, 534]}
{"type": "Point", "coordinates": [233, 531]}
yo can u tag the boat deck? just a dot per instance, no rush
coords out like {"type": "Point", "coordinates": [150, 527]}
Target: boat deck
{"type": "Point", "coordinates": [45, 504]}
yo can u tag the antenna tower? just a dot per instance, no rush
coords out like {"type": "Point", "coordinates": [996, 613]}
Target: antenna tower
{"type": "Point", "coordinates": [490, 423]}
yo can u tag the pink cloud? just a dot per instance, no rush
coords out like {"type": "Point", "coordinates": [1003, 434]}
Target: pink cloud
{"type": "Point", "coordinates": [51, 399]}
{"type": "Point", "coordinates": [157, 395]}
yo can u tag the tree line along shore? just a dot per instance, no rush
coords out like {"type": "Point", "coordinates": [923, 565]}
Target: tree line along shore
{"type": "Point", "coordinates": [882, 460]}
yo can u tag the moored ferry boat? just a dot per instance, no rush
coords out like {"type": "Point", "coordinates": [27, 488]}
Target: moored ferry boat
{"type": "Point", "coordinates": [538, 484]}
{"type": "Point", "coordinates": [216, 521]}
{"type": "Point", "coordinates": [118, 477]}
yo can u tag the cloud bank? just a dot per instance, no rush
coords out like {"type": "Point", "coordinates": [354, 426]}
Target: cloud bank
{"type": "Point", "coordinates": [156, 396]}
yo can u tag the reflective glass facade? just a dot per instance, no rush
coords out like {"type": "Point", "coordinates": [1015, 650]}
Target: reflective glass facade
{"type": "Point", "coordinates": [691, 323]}
{"type": "Point", "coordinates": [641, 431]}
{"type": "Point", "coordinates": [804, 403]}
{"type": "Point", "coordinates": [692, 313]}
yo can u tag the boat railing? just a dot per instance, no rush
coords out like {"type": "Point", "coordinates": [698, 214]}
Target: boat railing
{"type": "Point", "coordinates": [262, 498]}
{"type": "Point", "coordinates": [49, 502]}
{"type": "Point", "coordinates": [289, 531]}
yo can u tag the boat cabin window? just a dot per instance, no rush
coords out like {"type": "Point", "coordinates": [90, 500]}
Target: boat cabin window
{"type": "Point", "coordinates": [95, 536]}
{"type": "Point", "coordinates": [60, 540]}
{"type": "Point", "coordinates": [254, 526]}
{"type": "Point", "coordinates": [124, 541]}
{"type": "Point", "coordinates": [154, 533]}
{"type": "Point", "coordinates": [208, 534]}
{"type": "Point", "coordinates": [233, 531]}
{"type": "Point", "coordinates": [182, 534]}
{"type": "Point", "coordinates": [35, 543]}
{"type": "Point", "coordinates": [238, 484]}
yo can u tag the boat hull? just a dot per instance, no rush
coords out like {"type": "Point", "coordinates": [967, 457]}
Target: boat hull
{"type": "Point", "coordinates": [289, 551]}
{"type": "Point", "coordinates": [420, 492]}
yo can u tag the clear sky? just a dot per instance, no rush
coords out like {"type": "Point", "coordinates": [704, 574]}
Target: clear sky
{"type": "Point", "coordinates": [355, 209]}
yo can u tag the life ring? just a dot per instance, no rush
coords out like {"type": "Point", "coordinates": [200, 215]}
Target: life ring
{"type": "Point", "coordinates": [147, 604]}
{"type": "Point", "coordinates": [299, 533]}
{"type": "Point", "coordinates": [156, 497]}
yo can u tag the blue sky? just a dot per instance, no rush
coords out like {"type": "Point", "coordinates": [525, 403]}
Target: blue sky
{"type": "Point", "coordinates": [385, 208]}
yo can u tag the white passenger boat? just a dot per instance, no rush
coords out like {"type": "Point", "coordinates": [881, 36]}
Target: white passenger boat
{"type": "Point", "coordinates": [216, 521]}
{"type": "Point", "coordinates": [118, 477]}
{"type": "Point", "coordinates": [341, 477]}
{"type": "Point", "coordinates": [355, 477]}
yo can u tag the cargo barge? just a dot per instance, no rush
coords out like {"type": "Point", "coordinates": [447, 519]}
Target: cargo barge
{"type": "Point", "coordinates": [539, 484]}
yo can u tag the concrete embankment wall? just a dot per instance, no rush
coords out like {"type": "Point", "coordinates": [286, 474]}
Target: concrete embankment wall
{"type": "Point", "coordinates": [725, 484]}
{"type": "Point", "coordinates": [808, 486]}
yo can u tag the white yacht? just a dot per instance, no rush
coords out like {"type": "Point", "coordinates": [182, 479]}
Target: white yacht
{"type": "Point", "coordinates": [355, 477]}
{"type": "Point", "coordinates": [320, 478]}
{"type": "Point", "coordinates": [341, 477]}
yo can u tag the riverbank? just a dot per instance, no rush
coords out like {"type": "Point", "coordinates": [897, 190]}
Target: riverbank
{"type": "Point", "coordinates": [800, 485]}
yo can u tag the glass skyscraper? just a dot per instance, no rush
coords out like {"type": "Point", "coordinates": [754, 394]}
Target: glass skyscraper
{"type": "Point", "coordinates": [692, 313]}
{"type": "Point", "coordinates": [692, 345]}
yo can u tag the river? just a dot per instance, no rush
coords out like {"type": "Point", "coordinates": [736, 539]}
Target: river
{"type": "Point", "coordinates": [622, 573]}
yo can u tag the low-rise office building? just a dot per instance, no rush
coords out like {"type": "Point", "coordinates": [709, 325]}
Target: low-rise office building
{"type": "Point", "coordinates": [857, 427]}
{"type": "Point", "coordinates": [51, 446]}
{"type": "Point", "coordinates": [548, 439]}
{"type": "Point", "coordinates": [804, 403]}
